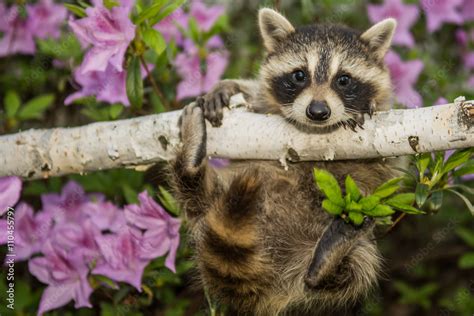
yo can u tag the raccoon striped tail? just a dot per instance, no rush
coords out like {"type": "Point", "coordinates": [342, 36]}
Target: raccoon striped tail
{"type": "Point", "coordinates": [232, 262]}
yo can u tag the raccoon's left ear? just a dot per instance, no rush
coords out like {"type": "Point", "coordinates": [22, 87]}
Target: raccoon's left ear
{"type": "Point", "coordinates": [379, 36]}
{"type": "Point", "coordinates": [274, 27]}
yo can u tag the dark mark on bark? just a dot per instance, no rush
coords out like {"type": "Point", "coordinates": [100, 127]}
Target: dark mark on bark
{"type": "Point", "coordinates": [164, 142]}
{"type": "Point", "coordinates": [414, 143]}
{"type": "Point", "coordinates": [293, 155]}
{"type": "Point", "coordinates": [31, 174]}
{"type": "Point", "coordinates": [46, 167]}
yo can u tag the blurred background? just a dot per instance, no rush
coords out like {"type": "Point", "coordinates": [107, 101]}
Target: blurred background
{"type": "Point", "coordinates": [61, 64]}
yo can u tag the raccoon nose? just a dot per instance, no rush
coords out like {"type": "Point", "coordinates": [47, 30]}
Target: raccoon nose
{"type": "Point", "coordinates": [318, 111]}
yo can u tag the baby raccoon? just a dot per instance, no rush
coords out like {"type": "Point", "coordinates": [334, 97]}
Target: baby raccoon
{"type": "Point", "coordinates": [263, 244]}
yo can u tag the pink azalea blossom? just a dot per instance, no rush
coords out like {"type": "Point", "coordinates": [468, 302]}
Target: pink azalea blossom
{"type": "Point", "coordinates": [105, 215]}
{"type": "Point", "coordinates": [121, 258]}
{"type": "Point", "coordinates": [31, 231]}
{"type": "Point", "coordinates": [109, 32]}
{"type": "Point", "coordinates": [461, 37]}
{"type": "Point", "coordinates": [468, 59]}
{"type": "Point", "coordinates": [10, 189]}
{"type": "Point", "coordinates": [79, 238]}
{"type": "Point", "coordinates": [168, 27]}
{"type": "Point", "coordinates": [205, 16]}
{"type": "Point", "coordinates": [66, 206]}
{"type": "Point", "coordinates": [108, 86]}
{"type": "Point", "coordinates": [197, 81]}
{"type": "Point", "coordinates": [405, 14]}
{"type": "Point", "coordinates": [162, 230]}
{"type": "Point", "coordinates": [404, 76]}
{"type": "Point", "coordinates": [441, 101]}
{"type": "Point", "coordinates": [439, 12]}
{"type": "Point", "coordinates": [18, 32]}
{"type": "Point", "coordinates": [46, 18]}
{"type": "Point", "coordinates": [467, 10]}
{"type": "Point", "coordinates": [66, 276]}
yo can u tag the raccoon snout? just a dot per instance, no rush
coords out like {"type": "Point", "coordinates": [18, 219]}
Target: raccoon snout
{"type": "Point", "coordinates": [318, 111]}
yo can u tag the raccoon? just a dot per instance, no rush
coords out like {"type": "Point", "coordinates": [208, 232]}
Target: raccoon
{"type": "Point", "coordinates": [263, 244]}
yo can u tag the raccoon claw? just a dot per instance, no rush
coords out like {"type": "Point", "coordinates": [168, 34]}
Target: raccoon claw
{"type": "Point", "coordinates": [193, 134]}
{"type": "Point", "coordinates": [214, 102]}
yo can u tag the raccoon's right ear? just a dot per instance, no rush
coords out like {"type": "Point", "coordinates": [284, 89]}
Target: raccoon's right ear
{"type": "Point", "coordinates": [379, 36]}
{"type": "Point", "coordinates": [274, 27]}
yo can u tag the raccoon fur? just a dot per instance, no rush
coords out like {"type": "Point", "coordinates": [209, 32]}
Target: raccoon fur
{"type": "Point", "coordinates": [263, 244]}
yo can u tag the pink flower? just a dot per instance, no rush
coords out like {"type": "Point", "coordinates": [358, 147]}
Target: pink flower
{"type": "Point", "coordinates": [10, 188]}
{"type": "Point", "coordinates": [31, 231]}
{"type": "Point", "coordinates": [105, 215]}
{"type": "Point", "coordinates": [219, 162]}
{"type": "Point", "coordinates": [470, 83]}
{"type": "Point", "coordinates": [18, 32]}
{"type": "Point", "coordinates": [205, 16]}
{"type": "Point", "coordinates": [405, 14]}
{"type": "Point", "coordinates": [46, 18]}
{"type": "Point", "coordinates": [467, 10]}
{"type": "Point", "coordinates": [439, 12]}
{"type": "Point", "coordinates": [66, 206]}
{"type": "Point", "coordinates": [404, 75]}
{"type": "Point", "coordinates": [168, 27]}
{"type": "Point", "coordinates": [121, 258]}
{"type": "Point", "coordinates": [196, 81]}
{"type": "Point", "coordinates": [109, 32]}
{"type": "Point", "coordinates": [66, 276]}
{"type": "Point", "coordinates": [469, 60]}
{"type": "Point", "coordinates": [161, 234]}
{"type": "Point", "coordinates": [77, 237]}
{"type": "Point", "coordinates": [441, 101]}
{"type": "Point", "coordinates": [461, 37]}
{"type": "Point", "coordinates": [108, 86]}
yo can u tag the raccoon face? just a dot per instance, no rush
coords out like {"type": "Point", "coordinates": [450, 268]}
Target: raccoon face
{"type": "Point", "coordinates": [324, 77]}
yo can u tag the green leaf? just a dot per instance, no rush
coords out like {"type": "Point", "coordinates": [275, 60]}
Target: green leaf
{"type": "Point", "coordinates": [168, 201]}
{"type": "Point", "coordinates": [467, 168]}
{"type": "Point", "coordinates": [35, 108]}
{"type": "Point", "coordinates": [150, 12]}
{"type": "Point", "coordinates": [422, 162]}
{"type": "Point", "coordinates": [403, 198]}
{"type": "Point", "coordinates": [421, 194]}
{"type": "Point", "coordinates": [76, 10]}
{"type": "Point", "coordinates": [369, 203]}
{"type": "Point", "coordinates": [331, 208]}
{"type": "Point", "coordinates": [131, 196]}
{"type": "Point", "coordinates": [435, 201]}
{"type": "Point", "coordinates": [328, 184]}
{"type": "Point", "coordinates": [356, 218]}
{"type": "Point", "coordinates": [109, 4]}
{"type": "Point", "coordinates": [135, 83]}
{"type": "Point", "coordinates": [467, 235]}
{"type": "Point", "coordinates": [154, 40]}
{"type": "Point", "coordinates": [455, 160]}
{"type": "Point", "coordinates": [194, 29]}
{"type": "Point", "coordinates": [353, 207]}
{"type": "Point", "coordinates": [465, 199]}
{"type": "Point", "coordinates": [380, 211]}
{"type": "Point", "coordinates": [167, 11]}
{"type": "Point", "coordinates": [12, 103]}
{"type": "Point", "coordinates": [405, 208]}
{"type": "Point", "coordinates": [462, 187]}
{"type": "Point", "coordinates": [352, 188]}
{"type": "Point", "coordinates": [115, 110]}
{"type": "Point", "coordinates": [388, 188]}
{"type": "Point", "coordinates": [467, 261]}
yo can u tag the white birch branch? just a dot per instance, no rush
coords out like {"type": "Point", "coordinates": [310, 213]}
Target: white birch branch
{"type": "Point", "coordinates": [142, 141]}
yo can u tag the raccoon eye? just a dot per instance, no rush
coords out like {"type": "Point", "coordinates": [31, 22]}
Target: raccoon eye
{"type": "Point", "coordinates": [344, 80]}
{"type": "Point", "coordinates": [299, 76]}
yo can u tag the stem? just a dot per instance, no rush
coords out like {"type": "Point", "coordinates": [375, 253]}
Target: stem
{"type": "Point", "coordinates": [153, 83]}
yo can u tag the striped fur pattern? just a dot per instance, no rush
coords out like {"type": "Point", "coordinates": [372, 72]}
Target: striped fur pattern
{"type": "Point", "coordinates": [255, 227]}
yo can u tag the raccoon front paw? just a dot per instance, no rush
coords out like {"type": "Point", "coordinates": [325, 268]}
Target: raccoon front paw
{"type": "Point", "coordinates": [193, 135]}
{"type": "Point", "coordinates": [213, 103]}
